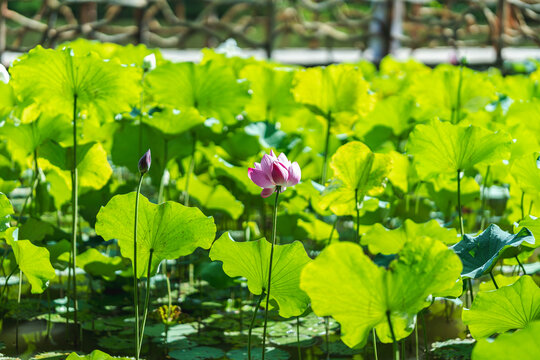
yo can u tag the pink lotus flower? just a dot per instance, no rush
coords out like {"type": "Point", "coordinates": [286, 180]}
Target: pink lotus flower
{"type": "Point", "coordinates": [274, 172]}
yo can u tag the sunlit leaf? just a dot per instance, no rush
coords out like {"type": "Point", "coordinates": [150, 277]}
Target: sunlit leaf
{"type": "Point", "coordinates": [344, 283]}
{"type": "Point", "coordinates": [251, 260]}
{"type": "Point", "coordinates": [168, 230]}
{"type": "Point", "coordinates": [509, 307]}
{"type": "Point", "coordinates": [442, 148]}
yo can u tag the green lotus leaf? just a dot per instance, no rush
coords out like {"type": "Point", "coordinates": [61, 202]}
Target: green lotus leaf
{"type": "Point", "coordinates": [479, 254]}
{"type": "Point", "coordinates": [23, 139]}
{"type": "Point", "coordinates": [357, 172]}
{"type": "Point", "coordinates": [436, 91]}
{"type": "Point", "coordinates": [34, 261]}
{"type": "Point", "coordinates": [53, 78]}
{"type": "Point", "coordinates": [94, 355]}
{"type": "Point", "coordinates": [443, 148]}
{"type": "Point", "coordinates": [168, 230]}
{"type": "Point", "coordinates": [251, 259]}
{"type": "Point", "coordinates": [394, 112]}
{"type": "Point", "coordinates": [211, 89]}
{"type": "Point", "coordinates": [526, 173]}
{"type": "Point", "coordinates": [173, 122]}
{"type": "Point", "coordinates": [214, 197]}
{"type": "Point", "coordinates": [533, 224]}
{"type": "Point", "coordinates": [510, 307]}
{"type": "Point", "coordinates": [92, 165]}
{"type": "Point", "coordinates": [97, 264]}
{"type": "Point", "coordinates": [333, 89]}
{"type": "Point", "coordinates": [271, 98]}
{"type": "Point", "coordinates": [385, 241]}
{"type": "Point", "coordinates": [6, 210]}
{"type": "Point", "coordinates": [344, 283]}
{"type": "Point", "coordinates": [522, 344]}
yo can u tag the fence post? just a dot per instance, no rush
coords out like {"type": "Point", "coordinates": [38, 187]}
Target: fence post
{"type": "Point", "coordinates": [270, 25]}
{"type": "Point", "coordinates": [501, 15]}
{"type": "Point", "coordinates": [380, 29]}
{"type": "Point", "coordinates": [3, 32]}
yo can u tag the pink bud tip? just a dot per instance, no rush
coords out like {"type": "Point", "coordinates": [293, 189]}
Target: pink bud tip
{"type": "Point", "coordinates": [145, 162]}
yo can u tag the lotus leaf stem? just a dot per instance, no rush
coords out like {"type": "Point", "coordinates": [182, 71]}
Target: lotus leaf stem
{"type": "Point", "coordinates": [521, 266]}
{"type": "Point", "coordinates": [146, 302]}
{"type": "Point", "coordinates": [394, 342]}
{"type": "Point", "coordinates": [253, 322]}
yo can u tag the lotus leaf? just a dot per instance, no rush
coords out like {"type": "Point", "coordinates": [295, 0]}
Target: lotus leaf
{"type": "Point", "coordinates": [251, 259]}
{"type": "Point", "coordinates": [510, 307]}
{"type": "Point", "coordinates": [168, 230]}
{"type": "Point", "coordinates": [344, 283]}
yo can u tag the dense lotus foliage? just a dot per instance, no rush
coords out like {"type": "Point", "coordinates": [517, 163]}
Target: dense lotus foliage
{"type": "Point", "coordinates": [409, 200]}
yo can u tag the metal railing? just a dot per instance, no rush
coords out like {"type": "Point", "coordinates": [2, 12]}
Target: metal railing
{"type": "Point", "coordinates": [382, 25]}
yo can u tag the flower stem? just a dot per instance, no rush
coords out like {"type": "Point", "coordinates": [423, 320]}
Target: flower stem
{"type": "Point", "coordinates": [135, 282]}
{"type": "Point", "coordinates": [326, 336]}
{"type": "Point", "coordinates": [274, 227]}
{"type": "Point", "coordinates": [326, 146]}
{"type": "Point", "coordinates": [521, 266]}
{"type": "Point", "coordinates": [375, 344]}
{"type": "Point", "coordinates": [459, 202]}
{"type": "Point", "coordinates": [394, 342]}
{"type": "Point", "coordinates": [424, 330]}
{"type": "Point", "coordinates": [190, 171]}
{"type": "Point", "coordinates": [357, 207]}
{"type": "Point", "coordinates": [416, 339]}
{"type": "Point", "coordinates": [298, 337]}
{"type": "Point", "coordinates": [253, 322]}
{"type": "Point", "coordinates": [74, 217]}
{"type": "Point", "coordinates": [146, 302]}
{"type": "Point", "coordinates": [493, 279]}
{"type": "Point", "coordinates": [18, 313]}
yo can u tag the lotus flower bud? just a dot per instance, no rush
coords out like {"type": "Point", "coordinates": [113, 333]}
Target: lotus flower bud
{"type": "Point", "coordinates": [149, 62]}
{"type": "Point", "coordinates": [145, 162]}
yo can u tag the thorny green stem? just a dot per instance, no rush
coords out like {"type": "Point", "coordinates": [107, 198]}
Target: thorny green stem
{"type": "Point", "coordinates": [327, 336]}
{"type": "Point", "coordinates": [521, 266]}
{"type": "Point", "coordinates": [424, 330]}
{"type": "Point", "coordinates": [274, 227]}
{"type": "Point", "coordinates": [165, 160]}
{"type": "Point", "coordinates": [190, 171]}
{"type": "Point", "coordinates": [522, 205]}
{"type": "Point", "coordinates": [6, 282]}
{"type": "Point", "coordinates": [459, 202]}
{"type": "Point", "coordinates": [457, 110]}
{"type": "Point", "coordinates": [253, 322]}
{"type": "Point", "coordinates": [326, 146]}
{"type": "Point", "coordinates": [135, 282]}
{"type": "Point", "coordinates": [74, 217]}
{"type": "Point", "coordinates": [357, 208]}
{"type": "Point", "coordinates": [298, 337]}
{"type": "Point", "coordinates": [141, 105]}
{"type": "Point", "coordinates": [484, 196]}
{"type": "Point", "coordinates": [470, 285]}
{"type": "Point", "coordinates": [146, 302]}
{"type": "Point", "coordinates": [375, 344]}
{"type": "Point", "coordinates": [415, 340]}
{"type": "Point", "coordinates": [18, 313]}
{"type": "Point", "coordinates": [394, 342]}
{"type": "Point", "coordinates": [493, 279]}
{"type": "Point", "coordinates": [35, 182]}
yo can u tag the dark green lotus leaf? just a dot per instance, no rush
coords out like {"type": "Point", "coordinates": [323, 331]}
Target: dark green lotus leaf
{"type": "Point", "coordinates": [479, 254]}
{"type": "Point", "coordinates": [522, 344]}
{"type": "Point", "coordinates": [509, 307]}
{"type": "Point", "coordinates": [251, 259]}
{"type": "Point", "coordinates": [168, 230]}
